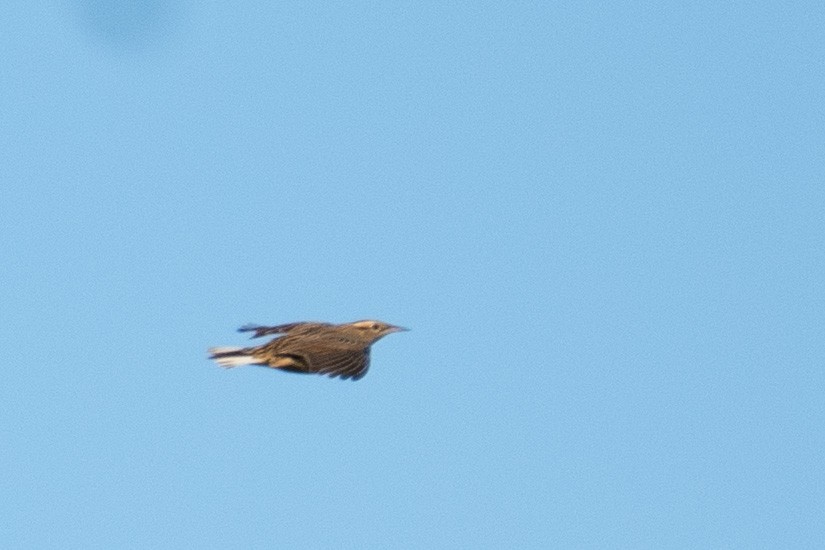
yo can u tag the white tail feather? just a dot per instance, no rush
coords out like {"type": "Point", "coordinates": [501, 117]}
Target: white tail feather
{"type": "Point", "coordinates": [230, 361]}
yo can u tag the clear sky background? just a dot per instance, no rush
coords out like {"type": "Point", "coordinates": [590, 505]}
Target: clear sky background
{"type": "Point", "coordinates": [603, 224]}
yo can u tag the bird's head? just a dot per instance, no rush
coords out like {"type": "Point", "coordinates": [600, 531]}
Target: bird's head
{"type": "Point", "coordinates": [373, 330]}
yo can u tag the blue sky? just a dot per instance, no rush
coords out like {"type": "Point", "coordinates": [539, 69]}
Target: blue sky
{"type": "Point", "coordinates": [604, 225]}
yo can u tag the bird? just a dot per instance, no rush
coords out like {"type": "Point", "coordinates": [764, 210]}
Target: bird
{"type": "Point", "coordinates": [336, 350]}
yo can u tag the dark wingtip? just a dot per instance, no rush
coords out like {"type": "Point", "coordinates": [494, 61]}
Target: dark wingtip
{"type": "Point", "coordinates": [248, 327]}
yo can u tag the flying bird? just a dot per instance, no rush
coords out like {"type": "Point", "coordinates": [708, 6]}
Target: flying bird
{"type": "Point", "coordinates": [322, 348]}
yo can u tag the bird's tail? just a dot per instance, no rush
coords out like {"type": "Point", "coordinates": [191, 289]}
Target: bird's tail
{"type": "Point", "coordinates": [229, 357]}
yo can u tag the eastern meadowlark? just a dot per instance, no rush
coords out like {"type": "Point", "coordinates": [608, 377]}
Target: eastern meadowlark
{"type": "Point", "coordinates": [323, 348]}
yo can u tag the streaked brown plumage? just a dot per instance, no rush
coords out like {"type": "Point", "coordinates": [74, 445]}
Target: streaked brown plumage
{"type": "Point", "coordinates": [323, 348]}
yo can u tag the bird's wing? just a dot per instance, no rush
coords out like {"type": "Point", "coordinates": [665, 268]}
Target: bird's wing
{"type": "Point", "coordinates": [280, 329]}
{"type": "Point", "coordinates": [343, 363]}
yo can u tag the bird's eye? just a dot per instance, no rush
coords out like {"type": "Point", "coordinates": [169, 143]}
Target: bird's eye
{"type": "Point", "coordinates": [375, 326]}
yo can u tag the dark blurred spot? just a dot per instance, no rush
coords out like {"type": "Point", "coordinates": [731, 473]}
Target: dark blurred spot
{"type": "Point", "coordinates": [126, 23]}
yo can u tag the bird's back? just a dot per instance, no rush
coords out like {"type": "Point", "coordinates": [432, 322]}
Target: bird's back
{"type": "Point", "coordinates": [317, 338]}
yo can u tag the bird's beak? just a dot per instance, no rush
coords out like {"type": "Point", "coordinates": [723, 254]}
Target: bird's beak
{"type": "Point", "coordinates": [396, 329]}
